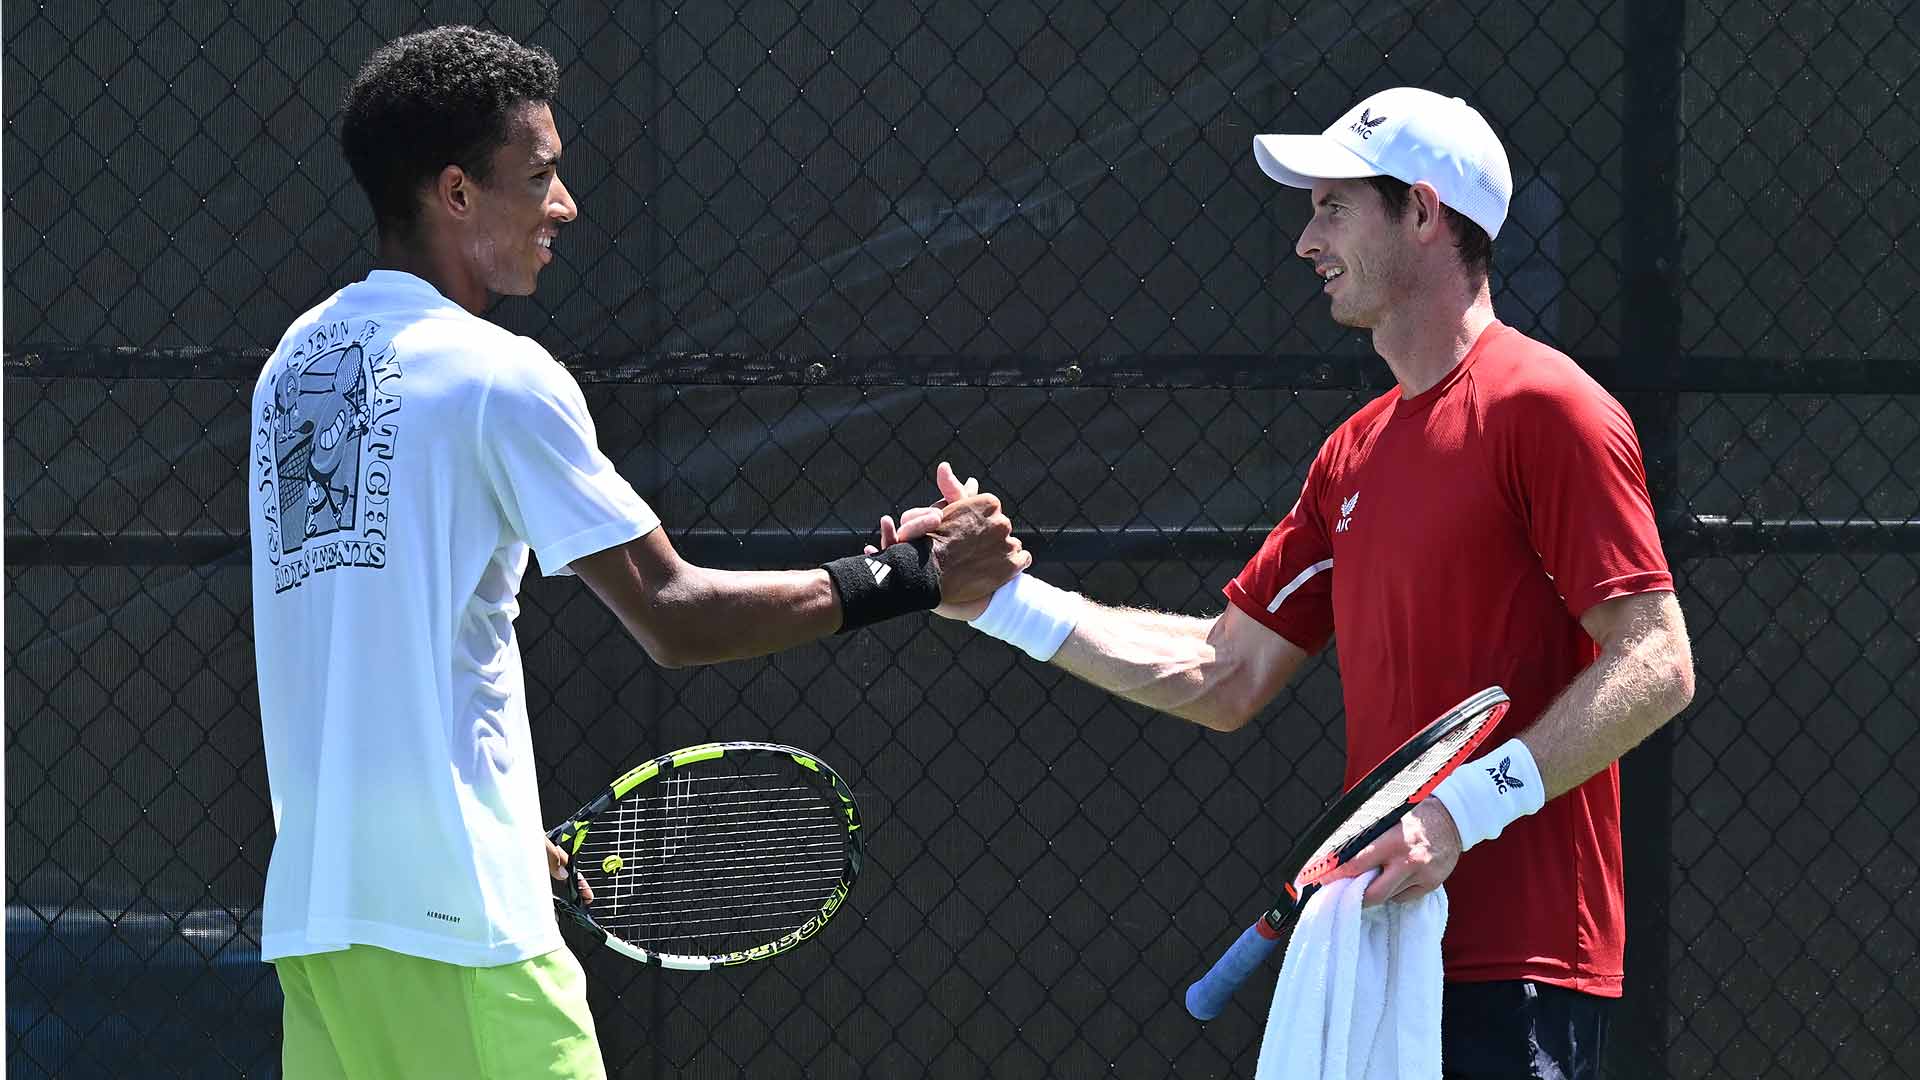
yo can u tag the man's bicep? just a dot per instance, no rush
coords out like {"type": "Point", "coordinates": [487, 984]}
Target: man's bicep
{"type": "Point", "coordinates": [542, 459]}
{"type": "Point", "coordinates": [1259, 662]}
{"type": "Point", "coordinates": [1620, 620]}
{"type": "Point", "coordinates": [1576, 471]}
{"type": "Point", "coordinates": [629, 578]}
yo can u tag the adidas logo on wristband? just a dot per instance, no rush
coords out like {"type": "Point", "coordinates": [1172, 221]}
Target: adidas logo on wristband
{"type": "Point", "coordinates": [898, 580]}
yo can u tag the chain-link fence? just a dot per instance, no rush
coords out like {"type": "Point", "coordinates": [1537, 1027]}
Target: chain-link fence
{"type": "Point", "coordinates": [823, 246]}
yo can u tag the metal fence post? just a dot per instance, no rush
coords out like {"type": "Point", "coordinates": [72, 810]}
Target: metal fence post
{"type": "Point", "coordinates": [1650, 340]}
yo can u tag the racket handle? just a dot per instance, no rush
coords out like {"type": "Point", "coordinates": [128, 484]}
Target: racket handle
{"type": "Point", "coordinates": [1206, 998]}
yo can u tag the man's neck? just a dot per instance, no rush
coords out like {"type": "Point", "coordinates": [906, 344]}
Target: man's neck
{"type": "Point", "coordinates": [437, 268]}
{"type": "Point", "coordinates": [1428, 337]}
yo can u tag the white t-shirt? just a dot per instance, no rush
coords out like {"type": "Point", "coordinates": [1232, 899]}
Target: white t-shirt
{"type": "Point", "coordinates": [405, 454]}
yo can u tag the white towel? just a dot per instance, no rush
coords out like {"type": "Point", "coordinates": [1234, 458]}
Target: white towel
{"type": "Point", "coordinates": [1359, 991]}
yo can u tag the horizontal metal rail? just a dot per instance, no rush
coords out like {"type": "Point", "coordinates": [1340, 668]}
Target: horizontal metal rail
{"type": "Point", "coordinates": [1697, 537]}
{"type": "Point", "coordinates": [1852, 374]}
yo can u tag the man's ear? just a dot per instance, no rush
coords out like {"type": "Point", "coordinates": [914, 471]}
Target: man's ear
{"type": "Point", "coordinates": [452, 191]}
{"type": "Point", "coordinates": [1428, 215]}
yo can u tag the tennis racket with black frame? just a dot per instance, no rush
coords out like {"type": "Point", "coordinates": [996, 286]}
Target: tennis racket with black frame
{"type": "Point", "coordinates": [1356, 819]}
{"type": "Point", "coordinates": [713, 855]}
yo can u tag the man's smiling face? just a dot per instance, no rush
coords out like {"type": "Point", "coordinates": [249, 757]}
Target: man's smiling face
{"type": "Point", "coordinates": [1355, 245]}
{"type": "Point", "coordinates": [521, 205]}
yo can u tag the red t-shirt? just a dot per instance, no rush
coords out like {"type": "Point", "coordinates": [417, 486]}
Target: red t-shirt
{"type": "Point", "coordinates": [1454, 539]}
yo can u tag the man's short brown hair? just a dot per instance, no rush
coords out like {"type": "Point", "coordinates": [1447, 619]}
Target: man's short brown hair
{"type": "Point", "coordinates": [1470, 241]}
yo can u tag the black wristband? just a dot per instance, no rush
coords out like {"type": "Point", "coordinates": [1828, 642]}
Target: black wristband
{"type": "Point", "coordinates": [899, 580]}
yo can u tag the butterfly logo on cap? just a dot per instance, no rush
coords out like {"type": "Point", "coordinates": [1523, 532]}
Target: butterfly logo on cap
{"type": "Point", "coordinates": [1364, 126]}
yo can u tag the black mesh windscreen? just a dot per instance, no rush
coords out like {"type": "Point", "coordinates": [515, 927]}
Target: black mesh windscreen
{"type": "Point", "coordinates": [822, 247]}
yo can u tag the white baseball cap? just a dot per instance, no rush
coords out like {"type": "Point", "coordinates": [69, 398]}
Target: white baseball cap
{"type": "Point", "coordinates": [1409, 134]}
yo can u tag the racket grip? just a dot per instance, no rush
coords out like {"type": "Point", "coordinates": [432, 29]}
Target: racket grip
{"type": "Point", "coordinates": [1207, 997]}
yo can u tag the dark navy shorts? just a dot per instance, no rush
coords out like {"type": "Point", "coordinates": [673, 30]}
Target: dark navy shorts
{"type": "Point", "coordinates": [1520, 1030]}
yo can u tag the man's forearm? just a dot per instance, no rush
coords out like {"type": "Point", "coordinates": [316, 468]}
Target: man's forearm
{"type": "Point", "coordinates": [736, 614]}
{"type": "Point", "coordinates": [1176, 664]}
{"type": "Point", "coordinates": [1642, 679]}
{"type": "Point", "coordinates": [709, 616]}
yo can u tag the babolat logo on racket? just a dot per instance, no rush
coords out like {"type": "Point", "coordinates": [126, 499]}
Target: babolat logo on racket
{"type": "Point", "coordinates": [1501, 781]}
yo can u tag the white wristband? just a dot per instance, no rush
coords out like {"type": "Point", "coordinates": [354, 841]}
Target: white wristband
{"type": "Point", "coordinates": [1489, 793]}
{"type": "Point", "coordinates": [1030, 614]}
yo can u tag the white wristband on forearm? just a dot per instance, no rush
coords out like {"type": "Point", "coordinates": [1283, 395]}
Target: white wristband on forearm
{"type": "Point", "coordinates": [1031, 615]}
{"type": "Point", "coordinates": [1490, 793]}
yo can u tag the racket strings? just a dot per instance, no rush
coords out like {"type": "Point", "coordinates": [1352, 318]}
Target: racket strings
{"type": "Point", "coordinates": [710, 864]}
{"type": "Point", "coordinates": [720, 857]}
{"type": "Point", "coordinates": [1400, 787]}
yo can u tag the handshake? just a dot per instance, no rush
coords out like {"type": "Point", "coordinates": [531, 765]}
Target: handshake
{"type": "Point", "coordinates": [973, 547]}
{"type": "Point", "coordinates": [959, 555]}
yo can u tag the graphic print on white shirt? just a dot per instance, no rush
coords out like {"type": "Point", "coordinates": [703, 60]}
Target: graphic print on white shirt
{"type": "Point", "coordinates": [329, 429]}
{"type": "Point", "coordinates": [404, 455]}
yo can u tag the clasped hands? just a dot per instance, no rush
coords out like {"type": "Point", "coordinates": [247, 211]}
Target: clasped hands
{"type": "Point", "coordinates": [973, 543]}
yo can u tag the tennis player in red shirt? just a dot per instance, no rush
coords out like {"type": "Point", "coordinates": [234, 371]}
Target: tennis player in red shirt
{"type": "Point", "coordinates": [1485, 522]}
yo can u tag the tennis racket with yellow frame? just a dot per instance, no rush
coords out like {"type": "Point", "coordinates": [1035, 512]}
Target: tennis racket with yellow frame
{"type": "Point", "coordinates": [713, 855]}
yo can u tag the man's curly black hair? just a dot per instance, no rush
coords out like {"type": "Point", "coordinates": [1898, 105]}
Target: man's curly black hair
{"type": "Point", "coordinates": [432, 99]}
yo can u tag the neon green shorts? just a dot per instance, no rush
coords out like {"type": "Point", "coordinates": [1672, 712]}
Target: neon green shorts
{"type": "Point", "coordinates": [368, 1014]}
